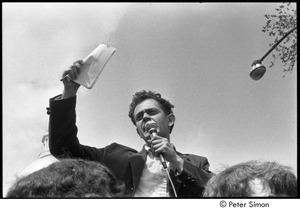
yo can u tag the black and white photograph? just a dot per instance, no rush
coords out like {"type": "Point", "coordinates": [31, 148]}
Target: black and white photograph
{"type": "Point", "coordinates": [149, 101]}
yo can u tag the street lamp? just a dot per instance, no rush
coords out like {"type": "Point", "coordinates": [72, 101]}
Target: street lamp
{"type": "Point", "coordinates": [258, 69]}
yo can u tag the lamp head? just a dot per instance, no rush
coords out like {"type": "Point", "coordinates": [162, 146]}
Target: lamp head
{"type": "Point", "coordinates": [258, 70]}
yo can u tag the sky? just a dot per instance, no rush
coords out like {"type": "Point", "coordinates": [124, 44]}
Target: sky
{"type": "Point", "coordinates": [198, 56]}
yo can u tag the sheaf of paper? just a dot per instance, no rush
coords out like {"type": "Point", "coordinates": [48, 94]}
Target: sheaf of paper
{"type": "Point", "coordinates": [94, 64]}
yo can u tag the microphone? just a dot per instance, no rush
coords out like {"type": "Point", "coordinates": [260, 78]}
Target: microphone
{"type": "Point", "coordinates": [153, 132]}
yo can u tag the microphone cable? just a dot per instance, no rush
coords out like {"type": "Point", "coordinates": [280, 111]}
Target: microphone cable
{"type": "Point", "coordinates": [171, 182]}
{"type": "Point", "coordinates": [152, 129]}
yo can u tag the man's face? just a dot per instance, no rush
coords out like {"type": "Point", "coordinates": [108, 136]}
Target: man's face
{"type": "Point", "coordinates": [150, 112]}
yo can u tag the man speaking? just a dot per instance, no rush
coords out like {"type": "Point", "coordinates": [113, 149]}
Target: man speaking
{"type": "Point", "coordinates": [158, 170]}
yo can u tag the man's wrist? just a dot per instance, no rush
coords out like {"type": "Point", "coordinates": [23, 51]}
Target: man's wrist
{"type": "Point", "coordinates": [68, 93]}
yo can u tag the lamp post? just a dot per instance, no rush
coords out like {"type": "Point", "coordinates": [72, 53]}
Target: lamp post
{"type": "Point", "coordinates": [258, 69]}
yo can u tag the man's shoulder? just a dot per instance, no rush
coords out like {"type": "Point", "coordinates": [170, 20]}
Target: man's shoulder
{"type": "Point", "coordinates": [193, 157]}
{"type": "Point", "coordinates": [119, 147]}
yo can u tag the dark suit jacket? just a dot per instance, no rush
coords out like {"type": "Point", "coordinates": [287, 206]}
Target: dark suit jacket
{"type": "Point", "coordinates": [126, 163]}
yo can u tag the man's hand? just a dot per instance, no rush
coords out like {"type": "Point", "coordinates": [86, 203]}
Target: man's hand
{"type": "Point", "coordinates": [71, 87]}
{"type": "Point", "coordinates": [162, 146]}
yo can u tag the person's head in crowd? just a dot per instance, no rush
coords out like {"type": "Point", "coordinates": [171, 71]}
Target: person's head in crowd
{"type": "Point", "coordinates": [253, 179]}
{"type": "Point", "coordinates": [68, 178]}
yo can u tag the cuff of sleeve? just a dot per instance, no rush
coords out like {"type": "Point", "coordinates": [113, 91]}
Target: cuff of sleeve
{"type": "Point", "coordinates": [184, 175]}
{"type": "Point", "coordinates": [61, 106]}
{"type": "Point", "coordinates": [178, 172]}
{"type": "Point", "coordinates": [57, 99]}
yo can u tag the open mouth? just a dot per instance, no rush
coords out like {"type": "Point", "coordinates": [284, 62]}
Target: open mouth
{"type": "Point", "coordinates": [148, 126]}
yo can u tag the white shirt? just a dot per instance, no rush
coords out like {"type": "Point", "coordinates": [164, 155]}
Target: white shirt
{"type": "Point", "coordinates": [154, 179]}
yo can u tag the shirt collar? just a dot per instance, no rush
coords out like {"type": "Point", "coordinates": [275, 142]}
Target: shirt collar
{"type": "Point", "coordinates": [149, 151]}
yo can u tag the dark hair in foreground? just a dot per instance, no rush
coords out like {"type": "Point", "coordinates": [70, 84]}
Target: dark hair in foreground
{"type": "Point", "coordinates": [234, 181]}
{"type": "Point", "coordinates": [68, 178]}
{"type": "Point", "coordinates": [138, 97]}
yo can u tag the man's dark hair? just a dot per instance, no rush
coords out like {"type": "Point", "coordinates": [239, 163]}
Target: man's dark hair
{"type": "Point", "coordinates": [140, 96]}
{"type": "Point", "coordinates": [234, 180]}
{"type": "Point", "coordinates": [68, 178]}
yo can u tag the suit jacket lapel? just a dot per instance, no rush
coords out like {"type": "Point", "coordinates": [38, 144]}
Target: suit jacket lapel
{"type": "Point", "coordinates": [176, 182]}
{"type": "Point", "coordinates": [137, 162]}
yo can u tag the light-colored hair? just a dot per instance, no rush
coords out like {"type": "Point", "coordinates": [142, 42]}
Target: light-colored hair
{"type": "Point", "coordinates": [234, 180]}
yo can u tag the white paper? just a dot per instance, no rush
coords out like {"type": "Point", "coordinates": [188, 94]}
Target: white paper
{"type": "Point", "coordinates": [94, 64]}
